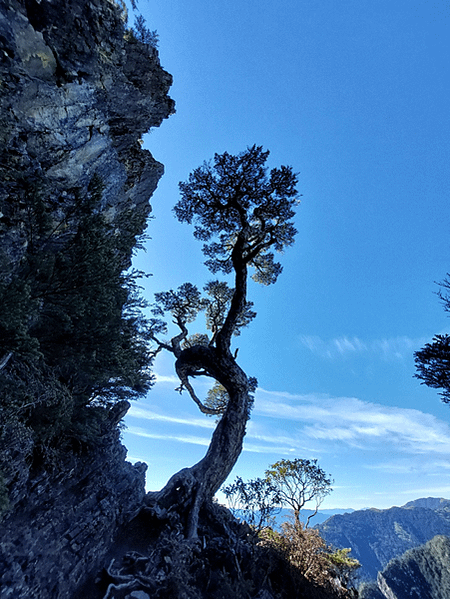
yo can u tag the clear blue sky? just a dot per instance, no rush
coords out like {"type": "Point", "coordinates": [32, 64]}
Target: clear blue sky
{"type": "Point", "coordinates": [355, 96]}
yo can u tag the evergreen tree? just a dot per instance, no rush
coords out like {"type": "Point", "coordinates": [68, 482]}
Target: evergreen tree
{"type": "Point", "coordinates": [433, 360]}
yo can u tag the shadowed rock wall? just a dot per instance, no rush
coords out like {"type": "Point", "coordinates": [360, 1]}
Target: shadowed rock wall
{"type": "Point", "coordinates": [77, 92]}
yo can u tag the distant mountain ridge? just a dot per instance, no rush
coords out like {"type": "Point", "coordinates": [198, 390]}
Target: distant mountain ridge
{"type": "Point", "coordinates": [321, 516]}
{"type": "Point", "coordinates": [377, 536]}
{"type": "Point", "coordinates": [432, 503]}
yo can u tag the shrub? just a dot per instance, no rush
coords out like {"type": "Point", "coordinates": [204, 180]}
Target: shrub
{"type": "Point", "coordinates": [256, 501]}
{"type": "Point", "coordinates": [143, 34]}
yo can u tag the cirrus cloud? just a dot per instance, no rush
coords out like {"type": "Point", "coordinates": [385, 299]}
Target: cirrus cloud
{"type": "Point", "coordinates": [393, 348]}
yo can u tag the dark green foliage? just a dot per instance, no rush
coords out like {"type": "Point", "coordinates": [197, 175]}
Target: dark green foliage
{"type": "Point", "coordinates": [433, 365]}
{"type": "Point", "coordinates": [72, 334]}
{"type": "Point", "coordinates": [433, 360]}
{"type": "Point", "coordinates": [143, 33]}
{"type": "Point", "coordinates": [235, 193]}
{"type": "Point", "coordinates": [18, 308]}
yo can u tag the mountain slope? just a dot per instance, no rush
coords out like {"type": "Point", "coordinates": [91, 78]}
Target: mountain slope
{"type": "Point", "coordinates": [377, 536]}
{"type": "Point", "coordinates": [420, 573]}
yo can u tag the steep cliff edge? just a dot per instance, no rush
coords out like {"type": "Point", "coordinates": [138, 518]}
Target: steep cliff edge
{"type": "Point", "coordinates": [77, 92]}
{"type": "Point", "coordinates": [420, 573]}
{"type": "Point", "coordinates": [76, 95]}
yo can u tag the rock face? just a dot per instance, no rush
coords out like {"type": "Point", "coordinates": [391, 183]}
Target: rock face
{"type": "Point", "coordinates": [77, 92]}
{"type": "Point", "coordinates": [420, 573]}
{"type": "Point", "coordinates": [76, 95]}
{"type": "Point", "coordinates": [377, 536]}
{"type": "Point", "coordinates": [65, 524]}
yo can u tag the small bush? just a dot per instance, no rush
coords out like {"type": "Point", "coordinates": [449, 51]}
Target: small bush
{"type": "Point", "coordinates": [143, 34]}
{"type": "Point", "coordinates": [310, 558]}
{"type": "Point", "coordinates": [255, 501]}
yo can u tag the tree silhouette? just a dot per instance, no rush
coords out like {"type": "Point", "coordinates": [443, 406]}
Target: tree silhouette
{"type": "Point", "coordinates": [243, 214]}
{"type": "Point", "coordinates": [433, 360]}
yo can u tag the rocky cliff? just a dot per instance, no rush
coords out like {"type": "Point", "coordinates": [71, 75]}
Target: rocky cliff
{"type": "Point", "coordinates": [64, 521]}
{"type": "Point", "coordinates": [377, 536]}
{"type": "Point", "coordinates": [420, 573]}
{"type": "Point", "coordinates": [77, 92]}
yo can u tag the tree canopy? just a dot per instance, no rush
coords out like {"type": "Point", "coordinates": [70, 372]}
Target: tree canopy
{"type": "Point", "coordinates": [300, 481]}
{"type": "Point", "coordinates": [433, 360]}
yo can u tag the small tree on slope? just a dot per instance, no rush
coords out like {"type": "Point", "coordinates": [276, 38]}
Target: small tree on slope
{"type": "Point", "coordinates": [300, 481]}
{"type": "Point", "coordinates": [242, 213]}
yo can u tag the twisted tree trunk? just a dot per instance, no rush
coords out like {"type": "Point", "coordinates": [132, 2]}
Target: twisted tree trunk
{"type": "Point", "coordinates": [187, 490]}
{"type": "Point", "coordinates": [190, 488]}
{"type": "Point", "coordinates": [244, 213]}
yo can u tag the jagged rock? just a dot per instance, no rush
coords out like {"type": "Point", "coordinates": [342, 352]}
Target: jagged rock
{"type": "Point", "coordinates": [66, 522]}
{"type": "Point", "coordinates": [420, 573]}
{"type": "Point", "coordinates": [76, 95]}
{"type": "Point", "coordinates": [228, 560]}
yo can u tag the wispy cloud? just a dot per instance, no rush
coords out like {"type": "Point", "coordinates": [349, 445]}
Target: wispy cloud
{"type": "Point", "coordinates": [172, 379]}
{"type": "Point", "coordinates": [146, 414]}
{"type": "Point", "coordinates": [255, 441]}
{"type": "Point", "coordinates": [388, 349]}
{"type": "Point", "coordinates": [408, 466]}
{"type": "Point", "coordinates": [318, 423]}
{"type": "Point", "coordinates": [375, 440]}
{"type": "Point", "coordinates": [357, 423]}
{"type": "Point", "coordinates": [191, 439]}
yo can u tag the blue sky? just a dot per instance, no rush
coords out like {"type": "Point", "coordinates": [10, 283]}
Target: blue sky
{"type": "Point", "coordinates": [355, 96]}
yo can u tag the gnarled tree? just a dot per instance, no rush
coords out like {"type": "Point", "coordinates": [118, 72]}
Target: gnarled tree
{"type": "Point", "coordinates": [242, 213]}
